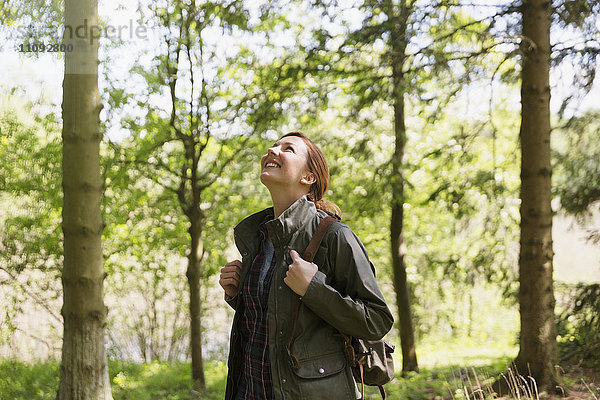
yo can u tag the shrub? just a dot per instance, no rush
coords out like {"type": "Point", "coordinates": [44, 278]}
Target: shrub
{"type": "Point", "coordinates": [579, 325]}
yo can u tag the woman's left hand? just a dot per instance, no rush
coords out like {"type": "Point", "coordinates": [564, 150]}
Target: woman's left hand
{"type": "Point", "coordinates": [299, 274]}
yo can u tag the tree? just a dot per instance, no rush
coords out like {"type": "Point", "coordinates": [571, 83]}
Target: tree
{"type": "Point", "coordinates": [30, 236]}
{"type": "Point", "coordinates": [84, 368]}
{"type": "Point", "coordinates": [383, 63]}
{"type": "Point", "coordinates": [398, 34]}
{"type": "Point", "coordinates": [537, 352]}
{"type": "Point", "coordinates": [379, 76]}
{"type": "Point", "coordinates": [216, 109]}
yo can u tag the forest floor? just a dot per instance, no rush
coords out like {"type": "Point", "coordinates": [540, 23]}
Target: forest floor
{"type": "Point", "coordinates": [172, 381]}
{"type": "Point", "coordinates": [475, 383]}
{"type": "Point", "coordinates": [580, 383]}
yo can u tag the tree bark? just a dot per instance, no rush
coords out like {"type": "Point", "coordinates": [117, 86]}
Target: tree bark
{"type": "Point", "coordinates": [194, 276]}
{"type": "Point", "coordinates": [398, 246]}
{"type": "Point", "coordinates": [84, 369]}
{"type": "Point", "coordinates": [407, 338]}
{"type": "Point", "coordinates": [537, 354]}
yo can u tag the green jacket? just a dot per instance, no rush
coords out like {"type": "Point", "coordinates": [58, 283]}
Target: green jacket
{"type": "Point", "coordinates": [343, 297]}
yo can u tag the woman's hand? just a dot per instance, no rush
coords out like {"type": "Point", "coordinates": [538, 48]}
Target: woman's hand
{"type": "Point", "coordinates": [299, 274]}
{"type": "Point", "coordinates": [230, 278]}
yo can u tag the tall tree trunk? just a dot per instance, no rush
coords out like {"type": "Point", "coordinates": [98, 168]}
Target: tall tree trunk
{"type": "Point", "coordinates": [407, 338]}
{"type": "Point", "coordinates": [537, 354]}
{"type": "Point", "coordinates": [194, 275]}
{"type": "Point", "coordinates": [84, 369]}
{"type": "Point", "coordinates": [398, 246]}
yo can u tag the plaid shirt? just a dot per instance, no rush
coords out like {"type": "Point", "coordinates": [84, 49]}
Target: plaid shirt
{"type": "Point", "coordinates": [256, 382]}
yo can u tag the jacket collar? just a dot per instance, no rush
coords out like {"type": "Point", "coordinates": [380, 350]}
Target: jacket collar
{"type": "Point", "coordinates": [290, 221]}
{"type": "Point", "coordinates": [280, 229]}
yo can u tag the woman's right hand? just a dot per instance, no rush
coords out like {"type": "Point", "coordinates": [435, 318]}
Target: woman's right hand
{"type": "Point", "coordinates": [230, 278]}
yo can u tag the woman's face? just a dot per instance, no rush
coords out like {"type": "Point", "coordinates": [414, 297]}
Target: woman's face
{"type": "Point", "coordinates": [284, 165]}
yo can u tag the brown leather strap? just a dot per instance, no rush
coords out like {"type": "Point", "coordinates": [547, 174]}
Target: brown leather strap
{"type": "Point", "coordinates": [362, 380]}
{"type": "Point", "coordinates": [315, 242]}
{"type": "Point", "coordinates": [382, 392]}
{"type": "Point", "coordinates": [309, 255]}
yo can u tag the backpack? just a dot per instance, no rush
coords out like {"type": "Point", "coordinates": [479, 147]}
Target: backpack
{"type": "Point", "coordinates": [371, 360]}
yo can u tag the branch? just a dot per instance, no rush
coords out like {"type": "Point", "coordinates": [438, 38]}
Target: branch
{"type": "Point", "coordinates": [565, 51]}
{"type": "Point", "coordinates": [220, 169]}
{"type": "Point", "coordinates": [39, 339]}
{"type": "Point", "coordinates": [152, 176]}
{"type": "Point", "coordinates": [204, 97]}
{"type": "Point", "coordinates": [193, 125]}
{"type": "Point", "coordinates": [33, 296]}
{"type": "Point", "coordinates": [181, 192]}
{"type": "Point", "coordinates": [464, 57]}
{"type": "Point", "coordinates": [172, 73]}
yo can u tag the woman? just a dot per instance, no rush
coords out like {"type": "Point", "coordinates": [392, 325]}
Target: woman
{"type": "Point", "coordinates": [338, 291]}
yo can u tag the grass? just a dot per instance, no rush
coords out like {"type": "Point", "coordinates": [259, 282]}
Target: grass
{"type": "Point", "coordinates": [156, 381]}
{"type": "Point", "coordinates": [449, 370]}
{"type": "Point", "coordinates": [130, 381]}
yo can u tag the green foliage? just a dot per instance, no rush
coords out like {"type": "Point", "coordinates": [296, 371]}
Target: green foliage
{"type": "Point", "coordinates": [452, 381]}
{"type": "Point", "coordinates": [22, 381]}
{"type": "Point", "coordinates": [579, 324]}
{"type": "Point", "coordinates": [465, 174]}
{"type": "Point", "coordinates": [30, 211]}
{"type": "Point", "coordinates": [145, 243]}
{"type": "Point", "coordinates": [31, 21]}
{"type": "Point", "coordinates": [181, 171]}
{"type": "Point", "coordinates": [451, 368]}
{"type": "Point", "coordinates": [577, 164]}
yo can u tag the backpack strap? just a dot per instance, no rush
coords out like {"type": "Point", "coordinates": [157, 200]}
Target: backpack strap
{"type": "Point", "coordinates": [309, 255]}
{"type": "Point", "coordinates": [382, 391]}
{"type": "Point", "coordinates": [315, 242]}
{"type": "Point", "coordinates": [357, 363]}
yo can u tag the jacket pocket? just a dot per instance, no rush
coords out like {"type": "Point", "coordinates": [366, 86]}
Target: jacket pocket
{"type": "Point", "coordinates": [321, 366]}
{"type": "Point", "coordinates": [324, 377]}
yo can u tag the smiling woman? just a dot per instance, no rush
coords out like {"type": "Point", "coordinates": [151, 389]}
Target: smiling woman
{"type": "Point", "coordinates": [338, 291]}
{"type": "Point", "coordinates": [300, 161]}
